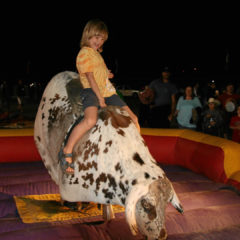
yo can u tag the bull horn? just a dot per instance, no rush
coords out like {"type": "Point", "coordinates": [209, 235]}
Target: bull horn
{"type": "Point", "coordinates": [175, 201]}
{"type": "Point", "coordinates": [135, 194]}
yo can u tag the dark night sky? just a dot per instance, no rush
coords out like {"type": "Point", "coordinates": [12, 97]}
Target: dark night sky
{"type": "Point", "coordinates": [141, 39]}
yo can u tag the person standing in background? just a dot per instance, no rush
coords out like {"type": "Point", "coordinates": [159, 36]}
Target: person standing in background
{"type": "Point", "coordinates": [212, 120]}
{"type": "Point", "coordinates": [235, 126]}
{"type": "Point", "coordinates": [187, 109]}
{"type": "Point", "coordinates": [229, 100]}
{"type": "Point", "coordinates": [164, 104]}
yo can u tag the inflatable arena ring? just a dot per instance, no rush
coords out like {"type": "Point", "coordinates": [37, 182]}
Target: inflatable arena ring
{"type": "Point", "coordinates": [217, 158]}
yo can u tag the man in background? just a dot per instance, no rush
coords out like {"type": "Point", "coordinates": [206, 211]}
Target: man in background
{"type": "Point", "coordinates": [164, 103]}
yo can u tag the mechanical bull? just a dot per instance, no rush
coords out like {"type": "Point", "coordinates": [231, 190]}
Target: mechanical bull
{"type": "Point", "coordinates": [112, 162]}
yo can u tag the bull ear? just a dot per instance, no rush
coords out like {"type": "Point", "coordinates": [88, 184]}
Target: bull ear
{"type": "Point", "coordinates": [135, 194]}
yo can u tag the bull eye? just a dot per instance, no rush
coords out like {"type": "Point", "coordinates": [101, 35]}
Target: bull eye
{"type": "Point", "coordinates": [145, 204]}
{"type": "Point", "coordinates": [149, 209]}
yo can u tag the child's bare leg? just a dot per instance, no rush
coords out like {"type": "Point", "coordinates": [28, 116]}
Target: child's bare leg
{"type": "Point", "coordinates": [90, 118]}
{"type": "Point", "coordinates": [132, 116]}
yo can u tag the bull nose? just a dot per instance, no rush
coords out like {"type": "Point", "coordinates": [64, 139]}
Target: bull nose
{"type": "Point", "coordinates": [162, 235]}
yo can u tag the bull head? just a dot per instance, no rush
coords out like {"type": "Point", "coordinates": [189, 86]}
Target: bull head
{"type": "Point", "coordinates": [145, 208]}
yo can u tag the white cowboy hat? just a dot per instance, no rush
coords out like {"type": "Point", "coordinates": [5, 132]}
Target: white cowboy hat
{"type": "Point", "coordinates": [213, 100]}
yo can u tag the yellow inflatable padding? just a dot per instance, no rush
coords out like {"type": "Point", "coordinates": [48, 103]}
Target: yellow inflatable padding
{"type": "Point", "coordinates": [231, 149]}
{"type": "Point", "coordinates": [16, 132]}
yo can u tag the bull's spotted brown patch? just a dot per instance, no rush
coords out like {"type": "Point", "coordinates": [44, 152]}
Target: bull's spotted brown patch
{"type": "Point", "coordinates": [88, 177]}
{"type": "Point", "coordinates": [146, 175]}
{"type": "Point", "coordinates": [123, 200]}
{"type": "Point", "coordinates": [117, 120]}
{"type": "Point", "coordinates": [52, 115]}
{"type": "Point", "coordinates": [144, 143]}
{"type": "Point", "coordinates": [121, 132]}
{"type": "Point", "coordinates": [109, 143]}
{"type": "Point", "coordinates": [95, 128]}
{"type": "Point", "coordinates": [65, 99]}
{"type": "Point", "coordinates": [101, 178]}
{"type": "Point", "coordinates": [84, 185]}
{"type": "Point", "coordinates": [54, 99]}
{"type": "Point", "coordinates": [134, 181]}
{"type": "Point", "coordinates": [138, 159]}
{"type": "Point", "coordinates": [112, 182]}
{"type": "Point", "coordinates": [85, 167]}
{"type": "Point", "coordinates": [105, 150]}
{"type": "Point", "coordinates": [108, 194]}
{"type": "Point", "coordinates": [76, 181]}
{"type": "Point", "coordinates": [123, 188]}
{"type": "Point", "coordinates": [118, 167]}
{"type": "Point", "coordinates": [91, 149]}
{"type": "Point", "coordinates": [111, 189]}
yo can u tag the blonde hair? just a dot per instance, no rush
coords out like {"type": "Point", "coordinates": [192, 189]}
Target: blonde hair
{"type": "Point", "coordinates": [94, 27]}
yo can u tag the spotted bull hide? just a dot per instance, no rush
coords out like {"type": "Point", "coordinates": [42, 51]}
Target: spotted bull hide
{"type": "Point", "coordinates": [112, 162]}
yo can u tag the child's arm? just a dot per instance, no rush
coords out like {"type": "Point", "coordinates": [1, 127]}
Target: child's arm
{"type": "Point", "coordinates": [95, 88]}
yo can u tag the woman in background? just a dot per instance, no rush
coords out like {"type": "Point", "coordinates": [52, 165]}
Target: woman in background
{"type": "Point", "coordinates": [187, 109]}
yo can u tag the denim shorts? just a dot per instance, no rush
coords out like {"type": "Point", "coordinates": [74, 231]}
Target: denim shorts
{"type": "Point", "coordinates": [89, 99]}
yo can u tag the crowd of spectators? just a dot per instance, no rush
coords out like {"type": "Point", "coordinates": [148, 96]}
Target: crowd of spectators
{"type": "Point", "coordinates": [208, 109]}
{"type": "Point", "coordinates": [18, 97]}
